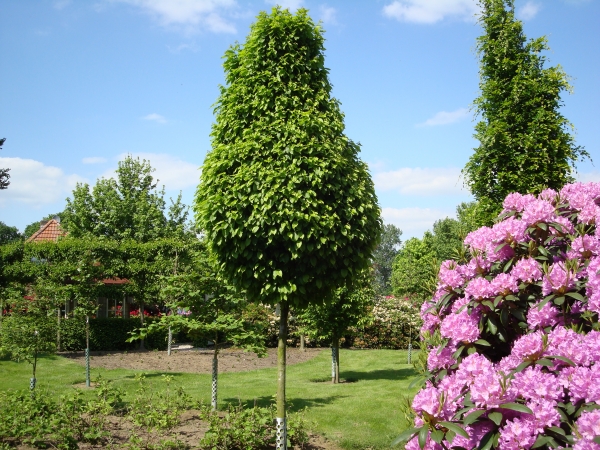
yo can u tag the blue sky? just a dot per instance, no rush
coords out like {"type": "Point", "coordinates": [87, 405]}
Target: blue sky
{"type": "Point", "coordinates": [84, 82]}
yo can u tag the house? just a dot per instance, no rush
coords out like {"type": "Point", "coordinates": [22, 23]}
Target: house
{"type": "Point", "coordinates": [51, 231]}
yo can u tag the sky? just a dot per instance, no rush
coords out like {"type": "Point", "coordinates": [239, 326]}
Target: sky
{"type": "Point", "coordinates": [83, 83]}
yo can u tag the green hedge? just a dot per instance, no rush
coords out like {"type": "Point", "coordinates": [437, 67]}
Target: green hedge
{"type": "Point", "coordinates": [105, 334]}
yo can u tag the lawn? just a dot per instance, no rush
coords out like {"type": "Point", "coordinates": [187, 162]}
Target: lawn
{"type": "Point", "coordinates": [361, 414]}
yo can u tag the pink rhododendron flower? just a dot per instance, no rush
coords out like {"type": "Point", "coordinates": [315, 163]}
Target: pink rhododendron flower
{"type": "Point", "coordinates": [558, 280]}
{"type": "Point", "coordinates": [588, 427]}
{"type": "Point", "coordinates": [461, 327]}
{"type": "Point", "coordinates": [449, 275]}
{"type": "Point", "coordinates": [441, 360]}
{"type": "Point", "coordinates": [569, 344]}
{"type": "Point", "coordinates": [478, 239]}
{"type": "Point", "coordinates": [528, 270]}
{"type": "Point", "coordinates": [509, 230]}
{"type": "Point", "coordinates": [517, 202]}
{"type": "Point", "coordinates": [582, 383]}
{"type": "Point", "coordinates": [479, 289]}
{"type": "Point", "coordinates": [537, 211]}
{"type": "Point", "coordinates": [518, 434]}
{"type": "Point", "coordinates": [547, 316]}
{"type": "Point", "coordinates": [504, 284]}
{"type": "Point", "coordinates": [584, 247]}
{"type": "Point", "coordinates": [535, 384]}
{"type": "Point", "coordinates": [427, 400]}
{"type": "Point", "coordinates": [545, 414]}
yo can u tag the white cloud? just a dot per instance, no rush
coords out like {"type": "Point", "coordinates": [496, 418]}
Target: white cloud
{"type": "Point", "coordinates": [36, 184]}
{"type": "Point", "coordinates": [292, 5]}
{"type": "Point", "coordinates": [445, 118]}
{"type": "Point", "coordinates": [93, 160]}
{"type": "Point", "coordinates": [188, 15]}
{"type": "Point", "coordinates": [586, 177]}
{"type": "Point", "coordinates": [155, 118]}
{"type": "Point", "coordinates": [423, 182]}
{"type": "Point", "coordinates": [171, 171]}
{"type": "Point", "coordinates": [413, 221]}
{"type": "Point", "coordinates": [327, 14]}
{"type": "Point", "coordinates": [431, 11]}
{"type": "Point", "coordinates": [529, 10]}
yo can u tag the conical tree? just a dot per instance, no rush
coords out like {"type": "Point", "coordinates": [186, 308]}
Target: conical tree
{"type": "Point", "coordinates": [287, 206]}
{"type": "Point", "coordinates": [525, 144]}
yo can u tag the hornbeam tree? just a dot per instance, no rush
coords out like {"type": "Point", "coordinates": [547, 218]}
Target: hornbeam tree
{"type": "Point", "coordinates": [286, 204]}
{"type": "Point", "coordinates": [525, 144]}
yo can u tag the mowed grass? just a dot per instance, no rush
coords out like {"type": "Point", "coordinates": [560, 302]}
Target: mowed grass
{"type": "Point", "coordinates": [363, 413]}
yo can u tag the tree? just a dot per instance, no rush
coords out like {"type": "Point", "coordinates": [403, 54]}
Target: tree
{"type": "Point", "coordinates": [414, 268]}
{"type": "Point", "coordinates": [383, 257]}
{"type": "Point", "coordinates": [4, 175]}
{"type": "Point", "coordinates": [8, 234]}
{"type": "Point", "coordinates": [203, 305]}
{"type": "Point", "coordinates": [128, 207]}
{"type": "Point", "coordinates": [525, 144]}
{"type": "Point", "coordinates": [349, 308]}
{"type": "Point", "coordinates": [287, 206]}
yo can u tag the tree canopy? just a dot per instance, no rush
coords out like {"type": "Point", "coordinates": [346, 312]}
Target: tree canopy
{"type": "Point", "coordinates": [128, 207]}
{"type": "Point", "coordinates": [288, 207]}
{"type": "Point", "coordinates": [525, 143]}
{"type": "Point", "coordinates": [8, 233]}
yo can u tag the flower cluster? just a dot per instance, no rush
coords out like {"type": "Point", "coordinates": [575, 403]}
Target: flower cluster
{"type": "Point", "coordinates": [519, 363]}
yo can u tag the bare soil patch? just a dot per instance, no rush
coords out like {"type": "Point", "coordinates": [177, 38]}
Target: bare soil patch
{"type": "Point", "coordinates": [190, 360]}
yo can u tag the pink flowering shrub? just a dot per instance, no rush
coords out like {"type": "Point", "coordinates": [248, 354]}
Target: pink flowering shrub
{"type": "Point", "coordinates": [519, 362]}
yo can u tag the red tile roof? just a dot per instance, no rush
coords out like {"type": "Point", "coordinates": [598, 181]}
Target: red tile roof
{"type": "Point", "coordinates": [50, 231]}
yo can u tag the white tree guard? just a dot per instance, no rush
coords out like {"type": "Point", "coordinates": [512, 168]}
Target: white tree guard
{"type": "Point", "coordinates": [280, 434]}
{"type": "Point", "coordinates": [215, 373]}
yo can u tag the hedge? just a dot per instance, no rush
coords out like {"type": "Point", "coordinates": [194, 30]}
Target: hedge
{"type": "Point", "coordinates": [105, 334]}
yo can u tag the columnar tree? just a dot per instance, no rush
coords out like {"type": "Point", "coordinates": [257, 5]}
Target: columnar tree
{"type": "Point", "coordinates": [525, 144]}
{"type": "Point", "coordinates": [287, 206]}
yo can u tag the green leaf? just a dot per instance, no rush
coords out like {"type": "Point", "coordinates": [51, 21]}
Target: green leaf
{"type": "Point", "coordinates": [495, 417]}
{"type": "Point", "coordinates": [482, 342]}
{"type": "Point", "coordinates": [516, 407]}
{"type": "Point", "coordinates": [423, 433]}
{"type": "Point", "coordinates": [455, 428]}
{"type": "Point", "coordinates": [437, 436]}
{"type": "Point", "coordinates": [472, 417]}
{"type": "Point", "coordinates": [576, 296]}
{"type": "Point", "coordinates": [406, 435]}
{"type": "Point", "coordinates": [542, 441]}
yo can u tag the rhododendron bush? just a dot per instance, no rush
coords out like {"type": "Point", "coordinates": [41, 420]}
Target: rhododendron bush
{"type": "Point", "coordinates": [519, 362]}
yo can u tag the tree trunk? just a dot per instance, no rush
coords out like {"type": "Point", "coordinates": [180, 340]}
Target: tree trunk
{"type": "Point", "coordinates": [169, 341]}
{"type": "Point", "coordinates": [141, 311]}
{"type": "Point", "coordinates": [87, 351]}
{"type": "Point", "coordinates": [58, 331]}
{"type": "Point", "coordinates": [302, 343]}
{"type": "Point", "coordinates": [281, 430]}
{"type": "Point", "coordinates": [335, 360]}
{"type": "Point", "coordinates": [215, 373]}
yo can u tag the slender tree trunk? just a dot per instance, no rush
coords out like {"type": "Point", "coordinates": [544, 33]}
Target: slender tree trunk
{"type": "Point", "coordinates": [337, 361]}
{"type": "Point", "coordinates": [58, 330]}
{"type": "Point", "coordinates": [87, 351]}
{"type": "Point", "coordinates": [35, 355]}
{"type": "Point", "coordinates": [302, 343]}
{"type": "Point", "coordinates": [169, 341]}
{"type": "Point", "coordinates": [141, 311]}
{"type": "Point", "coordinates": [281, 436]}
{"type": "Point", "coordinates": [215, 373]}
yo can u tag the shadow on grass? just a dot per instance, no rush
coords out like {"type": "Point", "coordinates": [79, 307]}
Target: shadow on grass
{"type": "Point", "coordinates": [294, 404]}
{"type": "Point", "coordinates": [382, 374]}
